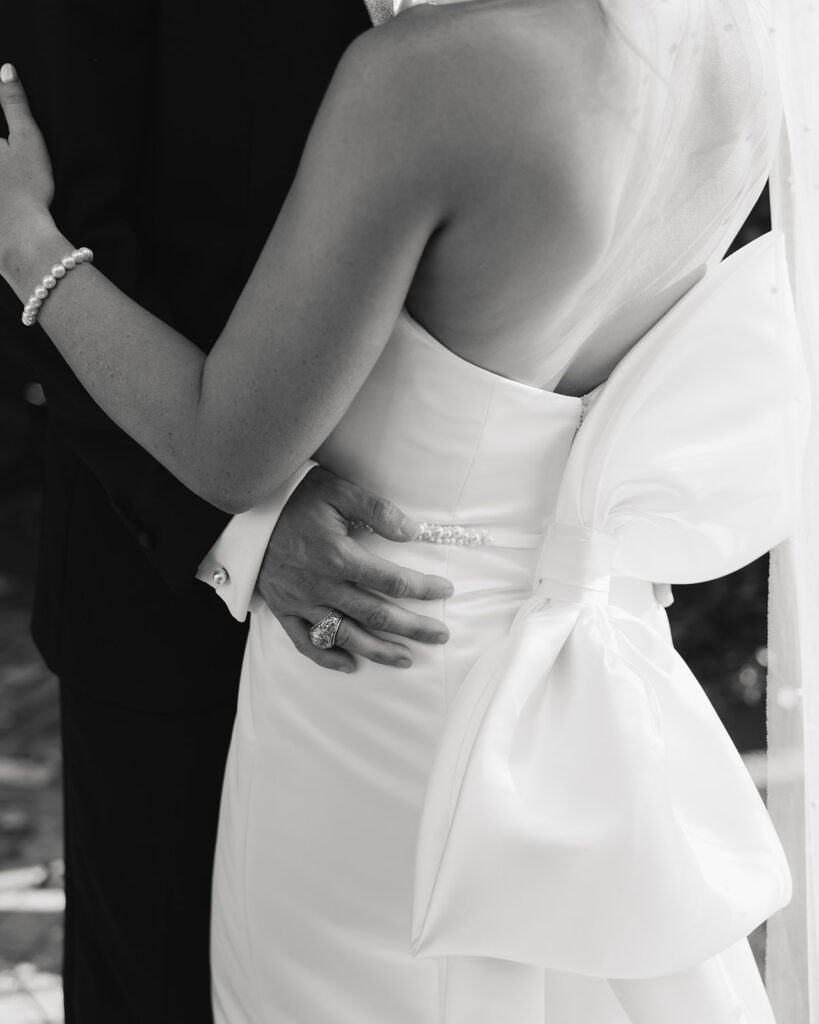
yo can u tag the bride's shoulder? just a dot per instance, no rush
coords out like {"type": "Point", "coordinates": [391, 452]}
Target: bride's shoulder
{"type": "Point", "coordinates": [486, 43]}
{"type": "Point", "coordinates": [447, 24]}
{"type": "Point", "coordinates": [486, 72]}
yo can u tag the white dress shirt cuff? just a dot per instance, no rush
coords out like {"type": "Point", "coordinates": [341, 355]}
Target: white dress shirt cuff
{"type": "Point", "coordinates": [232, 565]}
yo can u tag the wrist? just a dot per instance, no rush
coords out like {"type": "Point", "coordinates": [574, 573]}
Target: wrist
{"type": "Point", "coordinates": [29, 249]}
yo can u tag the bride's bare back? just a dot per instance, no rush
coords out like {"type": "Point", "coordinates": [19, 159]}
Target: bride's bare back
{"type": "Point", "coordinates": [599, 145]}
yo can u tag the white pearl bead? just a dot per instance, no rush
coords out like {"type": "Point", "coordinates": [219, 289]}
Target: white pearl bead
{"type": "Point", "coordinates": [78, 256]}
{"type": "Point", "coordinates": [40, 292]}
{"type": "Point", "coordinates": [68, 262]}
{"type": "Point", "coordinates": [87, 253]}
{"type": "Point", "coordinates": [49, 281]}
{"type": "Point", "coordinates": [58, 270]}
{"type": "Point", "coordinates": [34, 302]}
{"type": "Point", "coordinates": [449, 533]}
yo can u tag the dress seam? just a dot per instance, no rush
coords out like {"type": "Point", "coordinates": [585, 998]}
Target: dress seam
{"type": "Point", "coordinates": [475, 449]}
{"type": "Point", "coordinates": [245, 886]}
{"type": "Point", "coordinates": [453, 516]}
{"type": "Point", "coordinates": [443, 966]}
{"type": "Point", "coordinates": [444, 661]}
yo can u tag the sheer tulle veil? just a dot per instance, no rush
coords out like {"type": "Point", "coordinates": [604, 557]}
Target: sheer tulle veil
{"type": "Point", "coordinates": [793, 684]}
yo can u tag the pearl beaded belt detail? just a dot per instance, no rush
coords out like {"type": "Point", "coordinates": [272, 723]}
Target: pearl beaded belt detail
{"type": "Point", "coordinates": [467, 536]}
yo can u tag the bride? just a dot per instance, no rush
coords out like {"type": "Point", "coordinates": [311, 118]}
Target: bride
{"type": "Point", "coordinates": [494, 293]}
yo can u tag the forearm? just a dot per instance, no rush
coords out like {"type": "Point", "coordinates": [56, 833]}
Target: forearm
{"type": "Point", "coordinates": [174, 527]}
{"type": "Point", "coordinates": [314, 317]}
{"type": "Point", "coordinates": [100, 178]}
{"type": "Point", "coordinates": [145, 375]}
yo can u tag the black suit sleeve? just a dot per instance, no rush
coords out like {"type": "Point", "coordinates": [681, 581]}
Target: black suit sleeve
{"type": "Point", "coordinates": [173, 527]}
{"type": "Point", "coordinates": [89, 73]}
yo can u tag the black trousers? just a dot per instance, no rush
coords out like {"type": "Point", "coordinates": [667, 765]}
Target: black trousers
{"type": "Point", "coordinates": [142, 797]}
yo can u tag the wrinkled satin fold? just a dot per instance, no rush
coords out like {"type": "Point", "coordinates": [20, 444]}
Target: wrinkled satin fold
{"type": "Point", "coordinates": [564, 796]}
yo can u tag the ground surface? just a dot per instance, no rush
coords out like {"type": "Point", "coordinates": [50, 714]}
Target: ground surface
{"type": "Point", "coordinates": [30, 804]}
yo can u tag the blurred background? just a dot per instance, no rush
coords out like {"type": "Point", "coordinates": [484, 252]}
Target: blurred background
{"type": "Point", "coordinates": [719, 628]}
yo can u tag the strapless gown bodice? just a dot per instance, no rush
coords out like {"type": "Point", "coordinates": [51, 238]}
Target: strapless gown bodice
{"type": "Point", "coordinates": [451, 442]}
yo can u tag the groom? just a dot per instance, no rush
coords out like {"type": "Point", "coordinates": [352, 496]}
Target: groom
{"type": "Point", "coordinates": [175, 130]}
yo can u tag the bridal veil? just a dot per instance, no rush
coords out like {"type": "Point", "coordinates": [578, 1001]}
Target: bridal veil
{"type": "Point", "coordinates": [793, 686]}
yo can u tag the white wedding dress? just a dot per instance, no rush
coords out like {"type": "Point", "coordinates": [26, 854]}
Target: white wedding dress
{"type": "Point", "coordinates": [543, 821]}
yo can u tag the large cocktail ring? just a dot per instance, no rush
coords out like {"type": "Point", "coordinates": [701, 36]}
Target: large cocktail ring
{"type": "Point", "coordinates": [323, 634]}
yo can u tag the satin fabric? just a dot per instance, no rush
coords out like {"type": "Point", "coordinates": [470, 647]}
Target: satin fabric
{"type": "Point", "coordinates": [546, 808]}
{"type": "Point", "coordinates": [672, 477]}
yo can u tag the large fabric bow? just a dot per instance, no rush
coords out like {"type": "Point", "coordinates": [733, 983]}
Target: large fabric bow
{"type": "Point", "coordinates": [586, 810]}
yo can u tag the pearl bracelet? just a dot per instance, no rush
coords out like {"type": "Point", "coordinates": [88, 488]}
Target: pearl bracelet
{"type": "Point", "coordinates": [31, 309]}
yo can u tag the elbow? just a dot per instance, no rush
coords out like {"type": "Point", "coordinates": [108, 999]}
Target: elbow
{"type": "Point", "coordinates": [230, 467]}
{"type": "Point", "coordinates": [232, 500]}
{"type": "Point", "coordinates": [229, 480]}
{"type": "Point", "coordinates": [231, 492]}
{"type": "Point", "coordinates": [226, 503]}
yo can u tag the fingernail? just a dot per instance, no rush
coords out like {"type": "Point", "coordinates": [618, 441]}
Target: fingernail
{"type": "Point", "coordinates": [346, 669]}
{"type": "Point", "coordinates": [8, 73]}
{"type": "Point", "coordinates": [404, 663]}
{"type": "Point", "coordinates": [409, 528]}
{"type": "Point", "coordinates": [441, 638]}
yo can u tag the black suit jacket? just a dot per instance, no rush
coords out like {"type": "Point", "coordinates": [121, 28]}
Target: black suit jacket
{"type": "Point", "coordinates": [175, 129]}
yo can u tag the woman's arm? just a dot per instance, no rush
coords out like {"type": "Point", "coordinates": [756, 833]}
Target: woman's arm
{"type": "Point", "coordinates": [311, 321]}
{"type": "Point", "coordinates": [110, 75]}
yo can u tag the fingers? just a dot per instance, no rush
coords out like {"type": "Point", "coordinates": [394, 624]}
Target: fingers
{"type": "Point", "coordinates": [327, 551]}
{"type": "Point", "coordinates": [355, 640]}
{"type": "Point", "coordinates": [13, 99]}
{"type": "Point", "coordinates": [350, 639]}
{"type": "Point", "coordinates": [374, 613]}
{"type": "Point", "coordinates": [356, 564]}
{"type": "Point", "coordinates": [356, 504]}
{"type": "Point", "coordinates": [299, 632]}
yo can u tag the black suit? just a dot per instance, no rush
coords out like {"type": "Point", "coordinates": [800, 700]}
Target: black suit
{"type": "Point", "coordinates": [175, 129]}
